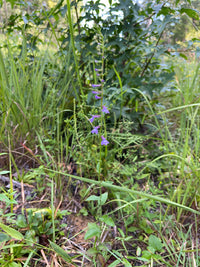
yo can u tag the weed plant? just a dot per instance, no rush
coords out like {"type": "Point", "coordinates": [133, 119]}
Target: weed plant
{"type": "Point", "coordinates": [138, 180]}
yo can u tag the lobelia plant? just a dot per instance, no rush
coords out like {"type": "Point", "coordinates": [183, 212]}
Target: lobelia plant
{"type": "Point", "coordinates": [97, 91]}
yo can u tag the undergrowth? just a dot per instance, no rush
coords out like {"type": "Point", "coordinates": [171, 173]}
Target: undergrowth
{"type": "Point", "coordinates": [83, 183]}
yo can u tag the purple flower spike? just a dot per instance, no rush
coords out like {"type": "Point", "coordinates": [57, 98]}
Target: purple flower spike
{"type": "Point", "coordinates": [95, 130]}
{"type": "Point", "coordinates": [104, 142]}
{"type": "Point", "coordinates": [93, 117]}
{"type": "Point", "coordinates": [96, 69]}
{"type": "Point", "coordinates": [105, 110]}
{"type": "Point", "coordinates": [97, 97]}
{"type": "Point", "coordinates": [96, 92]}
{"type": "Point", "coordinates": [96, 85]}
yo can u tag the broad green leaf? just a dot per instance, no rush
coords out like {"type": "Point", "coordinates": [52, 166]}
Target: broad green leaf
{"type": "Point", "coordinates": [103, 198]}
{"type": "Point", "coordinates": [93, 198]}
{"type": "Point", "coordinates": [190, 12]}
{"type": "Point", "coordinates": [107, 220]}
{"type": "Point", "coordinates": [4, 237]}
{"type": "Point", "coordinates": [92, 252]}
{"type": "Point", "coordinates": [21, 221]}
{"type": "Point", "coordinates": [146, 255]}
{"type": "Point", "coordinates": [11, 232]}
{"type": "Point", "coordinates": [93, 231]}
{"type": "Point", "coordinates": [165, 11]}
{"type": "Point", "coordinates": [60, 251]}
{"type": "Point", "coordinates": [155, 242]}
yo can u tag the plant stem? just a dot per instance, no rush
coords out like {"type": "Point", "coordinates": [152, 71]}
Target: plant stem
{"type": "Point", "coordinates": [71, 29]}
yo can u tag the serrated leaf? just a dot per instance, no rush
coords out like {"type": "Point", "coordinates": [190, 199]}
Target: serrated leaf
{"type": "Point", "coordinates": [60, 251]}
{"type": "Point", "coordinates": [11, 232]}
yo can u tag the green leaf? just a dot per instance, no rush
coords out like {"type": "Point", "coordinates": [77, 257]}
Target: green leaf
{"type": "Point", "coordinates": [30, 237]}
{"type": "Point", "coordinates": [4, 237]}
{"type": "Point", "coordinates": [92, 198]}
{"type": "Point", "coordinates": [93, 231]}
{"type": "Point", "coordinates": [126, 263]}
{"type": "Point", "coordinates": [92, 252]}
{"type": "Point", "coordinates": [190, 12]}
{"type": "Point", "coordinates": [5, 199]}
{"type": "Point", "coordinates": [107, 220]}
{"type": "Point", "coordinates": [60, 251]}
{"type": "Point", "coordinates": [155, 242]}
{"type": "Point", "coordinates": [165, 11]}
{"type": "Point", "coordinates": [3, 172]}
{"type": "Point", "coordinates": [103, 198]}
{"type": "Point", "coordinates": [21, 221]}
{"type": "Point", "coordinates": [183, 56]}
{"type": "Point", "coordinates": [146, 255]}
{"type": "Point", "coordinates": [12, 232]}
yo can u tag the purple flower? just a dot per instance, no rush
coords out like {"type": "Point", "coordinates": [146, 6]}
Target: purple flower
{"type": "Point", "coordinates": [105, 110]}
{"type": "Point", "coordinates": [102, 81]}
{"type": "Point", "coordinates": [93, 117]}
{"type": "Point", "coordinates": [96, 85]}
{"type": "Point", "coordinates": [96, 69]}
{"type": "Point", "coordinates": [104, 142]}
{"type": "Point", "coordinates": [96, 94]}
{"type": "Point", "coordinates": [95, 130]}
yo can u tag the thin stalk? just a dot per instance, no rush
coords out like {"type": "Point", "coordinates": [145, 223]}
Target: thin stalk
{"type": "Point", "coordinates": [71, 29]}
{"type": "Point", "coordinates": [126, 190]}
{"type": "Point", "coordinates": [52, 208]}
{"type": "Point", "coordinates": [10, 172]}
{"type": "Point", "coordinates": [121, 95]}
